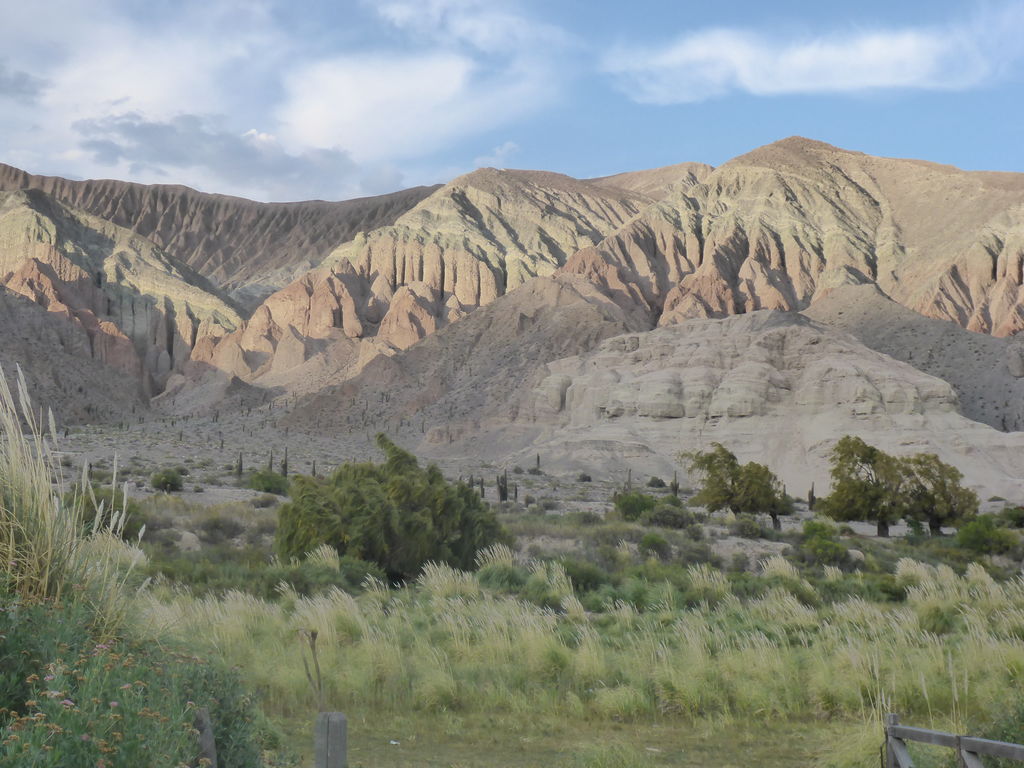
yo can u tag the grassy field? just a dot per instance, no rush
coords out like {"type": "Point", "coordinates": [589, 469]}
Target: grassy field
{"type": "Point", "coordinates": [635, 647]}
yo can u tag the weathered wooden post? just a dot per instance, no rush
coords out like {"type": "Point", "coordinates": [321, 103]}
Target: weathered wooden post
{"type": "Point", "coordinates": [330, 740]}
{"type": "Point", "coordinates": [207, 745]}
{"type": "Point", "coordinates": [890, 756]}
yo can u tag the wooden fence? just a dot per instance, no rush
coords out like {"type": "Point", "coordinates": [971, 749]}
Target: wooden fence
{"type": "Point", "coordinates": [968, 749]}
{"type": "Point", "coordinates": [330, 740]}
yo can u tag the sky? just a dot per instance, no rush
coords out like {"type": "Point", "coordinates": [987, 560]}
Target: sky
{"type": "Point", "coordinates": [332, 99]}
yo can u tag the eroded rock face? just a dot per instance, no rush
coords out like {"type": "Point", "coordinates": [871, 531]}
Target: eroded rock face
{"type": "Point", "coordinates": [772, 387]}
{"type": "Point", "coordinates": [140, 313]}
{"type": "Point", "coordinates": [469, 243]}
{"type": "Point", "coordinates": [784, 225]}
{"type": "Point", "coordinates": [248, 249]}
{"type": "Point", "coordinates": [61, 374]}
{"type": "Point", "coordinates": [747, 367]}
{"type": "Point", "coordinates": [476, 372]}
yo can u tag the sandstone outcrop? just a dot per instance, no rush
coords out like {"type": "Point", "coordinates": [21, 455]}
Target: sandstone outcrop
{"type": "Point", "coordinates": [60, 373]}
{"type": "Point", "coordinates": [472, 373]}
{"type": "Point", "coordinates": [247, 248]}
{"type": "Point", "coordinates": [784, 225]}
{"type": "Point", "coordinates": [140, 312]}
{"type": "Point", "coordinates": [772, 387]}
{"type": "Point", "coordinates": [467, 244]}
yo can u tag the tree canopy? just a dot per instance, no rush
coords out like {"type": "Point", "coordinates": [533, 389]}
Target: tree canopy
{"type": "Point", "coordinates": [748, 488]}
{"type": "Point", "coordinates": [869, 484]}
{"type": "Point", "coordinates": [395, 514]}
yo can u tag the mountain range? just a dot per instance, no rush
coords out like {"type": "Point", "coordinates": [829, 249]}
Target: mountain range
{"type": "Point", "coordinates": [792, 295]}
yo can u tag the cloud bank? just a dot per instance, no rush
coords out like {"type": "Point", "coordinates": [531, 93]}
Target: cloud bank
{"type": "Point", "coordinates": [716, 62]}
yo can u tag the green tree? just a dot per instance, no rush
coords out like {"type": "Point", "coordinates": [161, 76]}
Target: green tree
{"type": "Point", "coordinates": [934, 493]}
{"type": "Point", "coordinates": [395, 514]}
{"type": "Point", "coordinates": [759, 490]}
{"type": "Point", "coordinates": [719, 472]}
{"type": "Point", "coordinates": [867, 484]}
{"type": "Point", "coordinates": [749, 488]}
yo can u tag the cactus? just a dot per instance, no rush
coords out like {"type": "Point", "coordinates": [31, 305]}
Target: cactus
{"type": "Point", "coordinates": [674, 485]}
{"type": "Point", "coordinates": [502, 485]}
{"type": "Point", "coordinates": [284, 463]}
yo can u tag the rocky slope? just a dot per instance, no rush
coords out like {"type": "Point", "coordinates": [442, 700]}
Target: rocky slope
{"type": "Point", "coordinates": [783, 225]}
{"type": "Point", "coordinates": [472, 373]}
{"type": "Point", "coordinates": [140, 312]}
{"type": "Point", "coordinates": [61, 374]}
{"type": "Point", "coordinates": [250, 249]}
{"type": "Point", "coordinates": [470, 242]}
{"type": "Point", "coordinates": [986, 372]}
{"type": "Point", "coordinates": [772, 387]}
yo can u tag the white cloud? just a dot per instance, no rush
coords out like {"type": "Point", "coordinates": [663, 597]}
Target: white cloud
{"type": "Point", "coordinates": [499, 156]}
{"type": "Point", "coordinates": [402, 106]}
{"type": "Point", "coordinates": [715, 62]}
{"type": "Point", "coordinates": [487, 25]}
{"type": "Point", "coordinates": [221, 95]}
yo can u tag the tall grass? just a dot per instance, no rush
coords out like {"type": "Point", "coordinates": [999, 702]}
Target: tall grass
{"type": "Point", "coordinates": [446, 644]}
{"type": "Point", "coordinates": [44, 550]}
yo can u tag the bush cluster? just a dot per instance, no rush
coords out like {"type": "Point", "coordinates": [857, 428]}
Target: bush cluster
{"type": "Point", "coordinates": [395, 514]}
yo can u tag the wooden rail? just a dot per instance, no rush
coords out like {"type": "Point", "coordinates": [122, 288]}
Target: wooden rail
{"type": "Point", "coordinates": [968, 749]}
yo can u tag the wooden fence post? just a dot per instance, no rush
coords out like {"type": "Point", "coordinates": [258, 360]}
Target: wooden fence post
{"type": "Point", "coordinates": [890, 757]}
{"type": "Point", "coordinates": [207, 745]}
{"type": "Point", "coordinates": [330, 740]}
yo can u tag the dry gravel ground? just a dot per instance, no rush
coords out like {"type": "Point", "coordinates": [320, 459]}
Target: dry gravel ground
{"type": "Point", "coordinates": [195, 444]}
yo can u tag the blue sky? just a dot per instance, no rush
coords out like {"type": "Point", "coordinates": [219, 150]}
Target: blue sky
{"type": "Point", "coordinates": [279, 100]}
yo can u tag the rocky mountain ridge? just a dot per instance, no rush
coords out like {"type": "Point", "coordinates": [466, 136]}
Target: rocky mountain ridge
{"type": "Point", "coordinates": [248, 249]}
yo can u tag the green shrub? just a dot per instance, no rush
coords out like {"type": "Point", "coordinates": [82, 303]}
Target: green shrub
{"type": "Point", "coordinates": [113, 502]}
{"type": "Point", "coordinates": [266, 481]}
{"type": "Point", "coordinates": [395, 514]}
{"type": "Point", "coordinates": [819, 544]}
{"type": "Point", "coordinates": [747, 527]}
{"type": "Point", "coordinates": [822, 551]}
{"type": "Point", "coordinates": [655, 482]}
{"type": "Point", "coordinates": [584, 575]}
{"type": "Point", "coordinates": [219, 528]}
{"type": "Point", "coordinates": [1013, 516]}
{"type": "Point", "coordinates": [984, 537]}
{"type": "Point", "coordinates": [656, 545]}
{"type": "Point", "coordinates": [632, 504]}
{"type": "Point", "coordinates": [166, 480]}
{"type": "Point", "coordinates": [583, 477]}
{"type": "Point", "coordinates": [586, 517]}
{"type": "Point", "coordinates": [111, 703]}
{"type": "Point", "coordinates": [669, 515]}
{"type": "Point", "coordinates": [266, 500]}
{"type": "Point", "coordinates": [501, 577]}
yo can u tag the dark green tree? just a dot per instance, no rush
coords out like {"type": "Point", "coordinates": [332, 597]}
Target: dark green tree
{"type": "Point", "coordinates": [749, 488]}
{"type": "Point", "coordinates": [867, 484]}
{"type": "Point", "coordinates": [396, 514]}
{"type": "Point", "coordinates": [757, 489]}
{"type": "Point", "coordinates": [719, 472]}
{"type": "Point", "coordinates": [934, 493]}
